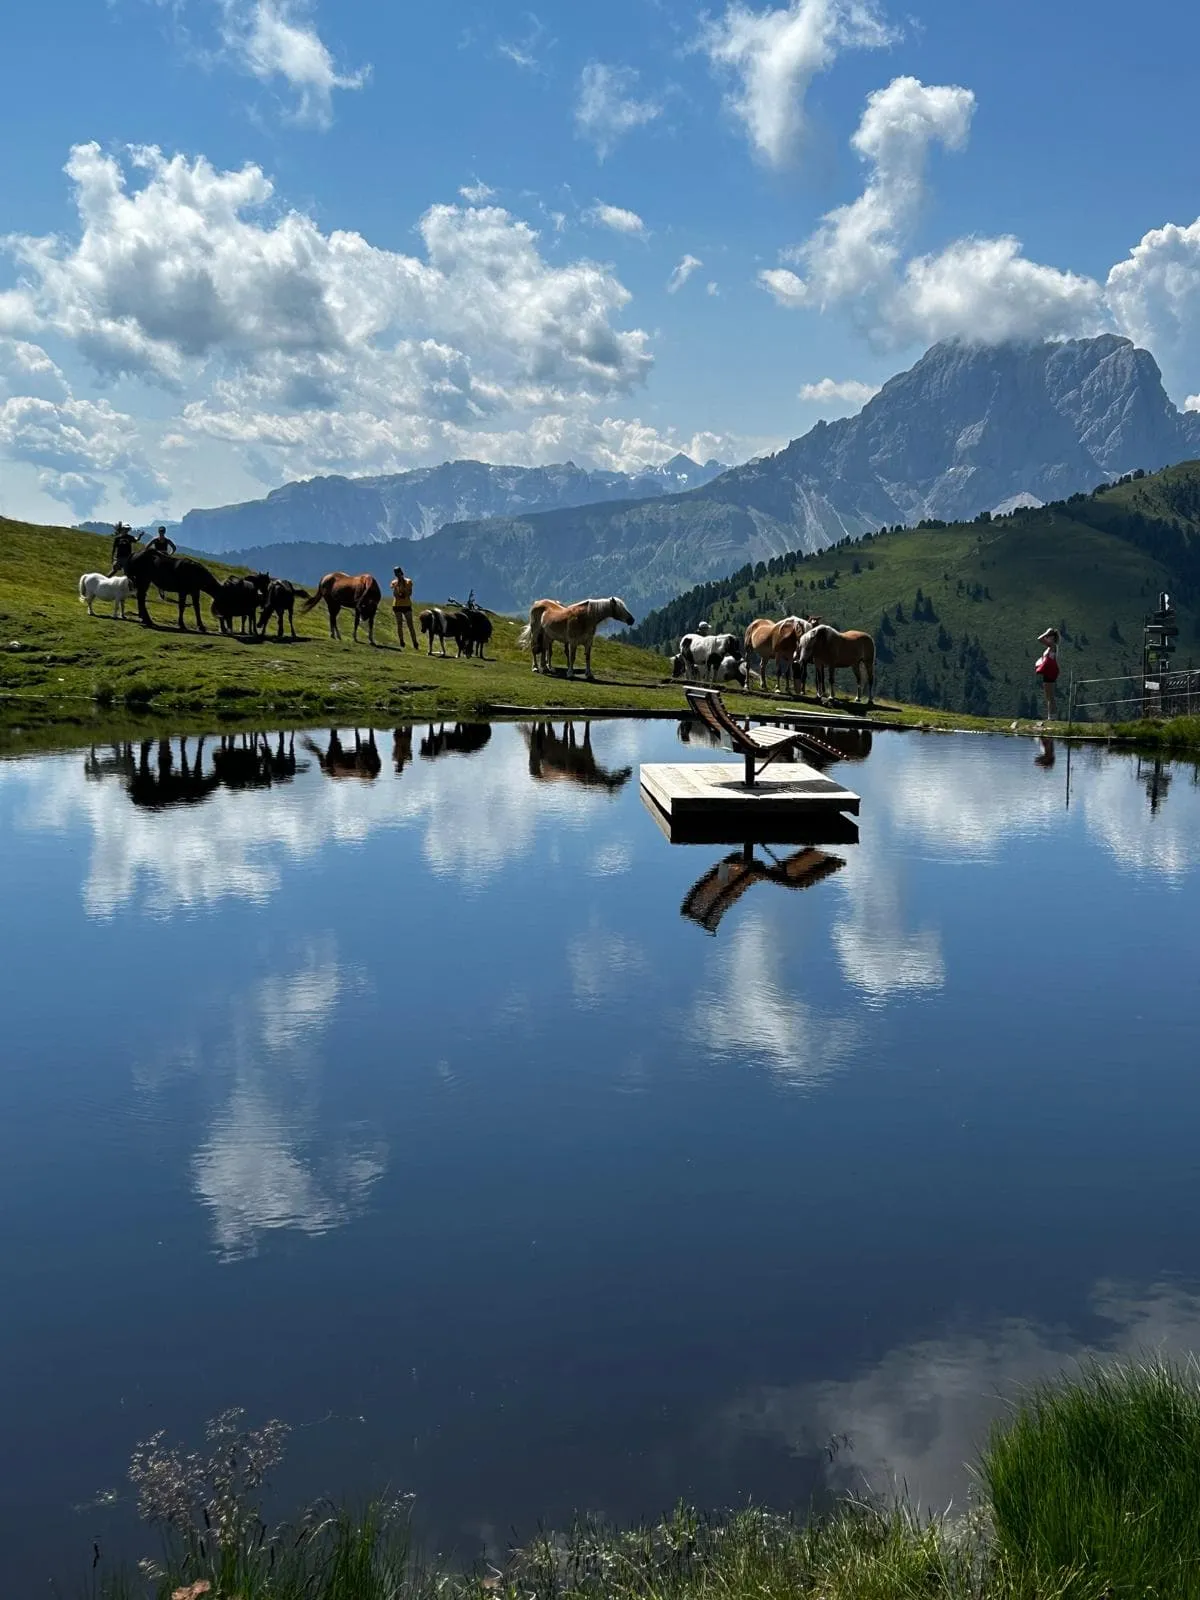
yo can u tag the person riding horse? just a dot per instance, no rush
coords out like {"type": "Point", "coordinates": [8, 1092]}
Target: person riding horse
{"type": "Point", "coordinates": [123, 541]}
{"type": "Point", "coordinates": [161, 545]}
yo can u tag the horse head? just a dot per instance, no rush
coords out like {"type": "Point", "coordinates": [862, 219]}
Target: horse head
{"type": "Point", "coordinates": [620, 611]}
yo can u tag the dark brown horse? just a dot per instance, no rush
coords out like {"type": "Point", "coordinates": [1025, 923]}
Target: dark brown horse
{"type": "Point", "coordinates": [360, 594]}
{"type": "Point", "coordinates": [338, 762]}
{"type": "Point", "coordinates": [177, 575]}
{"type": "Point", "coordinates": [281, 602]}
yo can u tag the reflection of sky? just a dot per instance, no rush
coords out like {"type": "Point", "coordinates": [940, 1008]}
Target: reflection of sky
{"type": "Point", "coordinates": [417, 1100]}
{"type": "Point", "coordinates": [925, 1409]}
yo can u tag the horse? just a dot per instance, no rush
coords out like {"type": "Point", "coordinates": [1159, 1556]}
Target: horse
{"type": "Point", "coordinates": [476, 630]}
{"type": "Point", "coordinates": [707, 653]}
{"type": "Point", "coordinates": [360, 593]}
{"type": "Point", "coordinates": [99, 586]}
{"type": "Point", "coordinates": [241, 598]}
{"type": "Point", "coordinates": [442, 625]}
{"type": "Point", "coordinates": [778, 642]}
{"type": "Point", "coordinates": [178, 575]}
{"type": "Point", "coordinates": [279, 603]}
{"type": "Point", "coordinates": [828, 650]}
{"type": "Point", "coordinates": [533, 639]}
{"type": "Point", "coordinates": [575, 625]}
{"type": "Point", "coordinates": [337, 762]}
{"type": "Point", "coordinates": [568, 759]}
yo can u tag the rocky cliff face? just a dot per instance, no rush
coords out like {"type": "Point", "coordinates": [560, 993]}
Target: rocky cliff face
{"type": "Point", "coordinates": [967, 429]}
{"type": "Point", "coordinates": [414, 505]}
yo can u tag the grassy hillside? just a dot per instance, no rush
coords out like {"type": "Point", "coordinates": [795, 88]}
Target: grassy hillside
{"type": "Point", "coordinates": [57, 664]}
{"type": "Point", "coordinates": [956, 609]}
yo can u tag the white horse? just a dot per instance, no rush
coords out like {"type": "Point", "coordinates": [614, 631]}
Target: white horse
{"type": "Point", "coordinates": [99, 586]}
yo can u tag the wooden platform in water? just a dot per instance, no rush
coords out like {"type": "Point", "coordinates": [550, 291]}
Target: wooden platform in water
{"type": "Point", "coordinates": [709, 802]}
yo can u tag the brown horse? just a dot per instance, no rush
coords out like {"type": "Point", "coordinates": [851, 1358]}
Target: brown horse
{"type": "Point", "coordinates": [573, 626]}
{"type": "Point", "coordinates": [828, 650]}
{"type": "Point", "coordinates": [542, 648]}
{"type": "Point", "coordinates": [361, 594]}
{"type": "Point", "coordinates": [569, 759]}
{"type": "Point", "coordinates": [777, 642]}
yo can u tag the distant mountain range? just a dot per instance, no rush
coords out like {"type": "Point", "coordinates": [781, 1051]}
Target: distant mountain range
{"type": "Point", "coordinates": [964, 430]}
{"type": "Point", "coordinates": [414, 505]}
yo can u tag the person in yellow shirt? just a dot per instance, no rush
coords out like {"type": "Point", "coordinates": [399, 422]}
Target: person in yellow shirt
{"type": "Point", "coordinates": [402, 589]}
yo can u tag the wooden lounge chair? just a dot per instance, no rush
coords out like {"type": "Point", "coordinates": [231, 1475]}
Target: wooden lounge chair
{"type": "Point", "coordinates": [758, 746]}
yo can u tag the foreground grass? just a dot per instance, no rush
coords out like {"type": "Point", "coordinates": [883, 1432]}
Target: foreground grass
{"type": "Point", "coordinates": [1090, 1491]}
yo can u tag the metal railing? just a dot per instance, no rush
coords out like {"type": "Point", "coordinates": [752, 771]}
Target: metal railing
{"type": "Point", "coordinates": [1132, 695]}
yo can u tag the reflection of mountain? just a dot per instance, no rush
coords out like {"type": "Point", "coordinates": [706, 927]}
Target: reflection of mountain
{"type": "Point", "coordinates": [711, 896]}
{"type": "Point", "coordinates": [555, 758]}
{"type": "Point", "coordinates": [919, 1415]}
{"type": "Point", "coordinates": [462, 739]}
{"type": "Point", "coordinates": [180, 778]}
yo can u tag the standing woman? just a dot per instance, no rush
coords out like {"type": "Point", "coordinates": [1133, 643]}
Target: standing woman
{"type": "Point", "coordinates": [1046, 667]}
{"type": "Point", "coordinates": [402, 590]}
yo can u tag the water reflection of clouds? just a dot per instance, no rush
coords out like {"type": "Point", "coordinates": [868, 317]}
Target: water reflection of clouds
{"type": "Point", "coordinates": [748, 1009]}
{"type": "Point", "coordinates": [476, 818]}
{"type": "Point", "coordinates": [274, 1155]}
{"type": "Point", "coordinates": [1115, 805]}
{"type": "Point", "coordinates": [919, 1416]}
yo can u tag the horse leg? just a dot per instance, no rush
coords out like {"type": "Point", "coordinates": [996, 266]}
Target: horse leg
{"type": "Point", "coordinates": [182, 603]}
{"type": "Point", "coordinates": [371, 629]}
{"type": "Point", "coordinates": [196, 608]}
{"type": "Point", "coordinates": [333, 608]}
{"type": "Point", "coordinates": [91, 613]}
{"type": "Point", "coordinates": [587, 659]}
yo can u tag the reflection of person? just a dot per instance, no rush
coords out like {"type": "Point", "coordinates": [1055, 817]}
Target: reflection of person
{"type": "Point", "coordinates": [1046, 667]}
{"type": "Point", "coordinates": [402, 592]}
{"type": "Point", "coordinates": [1045, 756]}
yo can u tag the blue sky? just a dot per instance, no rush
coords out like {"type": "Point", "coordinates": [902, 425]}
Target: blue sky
{"type": "Point", "coordinates": [251, 240]}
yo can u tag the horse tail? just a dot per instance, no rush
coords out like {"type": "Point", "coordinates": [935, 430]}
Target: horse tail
{"type": "Point", "coordinates": [83, 588]}
{"type": "Point", "coordinates": [301, 594]}
{"type": "Point", "coordinates": [313, 599]}
{"type": "Point", "coordinates": [524, 638]}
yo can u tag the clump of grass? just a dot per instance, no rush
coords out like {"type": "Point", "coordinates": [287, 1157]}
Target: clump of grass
{"type": "Point", "coordinates": [1099, 1478]}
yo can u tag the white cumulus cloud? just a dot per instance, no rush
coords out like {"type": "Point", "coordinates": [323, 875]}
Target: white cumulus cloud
{"type": "Point", "coordinates": [682, 272]}
{"type": "Point", "coordinates": [615, 217]}
{"type": "Point", "coordinates": [847, 391]}
{"type": "Point", "coordinates": [609, 107]}
{"type": "Point", "coordinates": [1154, 295]}
{"type": "Point", "coordinates": [273, 39]}
{"type": "Point", "coordinates": [774, 56]}
{"type": "Point", "coordinates": [476, 193]}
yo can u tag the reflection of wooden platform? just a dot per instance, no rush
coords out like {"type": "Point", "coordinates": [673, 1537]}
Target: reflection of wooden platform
{"type": "Point", "coordinates": [709, 802]}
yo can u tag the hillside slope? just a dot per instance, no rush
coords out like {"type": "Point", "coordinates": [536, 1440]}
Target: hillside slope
{"type": "Point", "coordinates": [965, 430]}
{"type": "Point", "coordinates": [956, 608]}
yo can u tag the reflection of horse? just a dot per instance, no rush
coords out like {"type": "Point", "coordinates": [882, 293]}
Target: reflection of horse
{"type": "Point", "coordinates": [238, 761]}
{"type": "Point", "coordinates": [690, 730]}
{"type": "Point", "coordinates": [711, 896]}
{"type": "Point", "coordinates": [177, 575]}
{"type": "Point", "coordinates": [852, 744]}
{"type": "Point", "coordinates": [338, 762]}
{"type": "Point", "coordinates": [463, 739]}
{"type": "Point", "coordinates": [361, 594]}
{"type": "Point", "coordinates": [402, 748]}
{"type": "Point", "coordinates": [167, 784]}
{"type": "Point", "coordinates": [569, 758]}
{"type": "Point", "coordinates": [572, 626]}
{"type": "Point", "coordinates": [828, 649]}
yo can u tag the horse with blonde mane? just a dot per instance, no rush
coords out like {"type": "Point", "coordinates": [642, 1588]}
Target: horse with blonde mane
{"type": "Point", "coordinates": [777, 642]}
{"type": "Point", "coordinates": [361, 594]}
{"type": "Point", "coordinates": [828, 650]}
{"type": "Point", "coordinates": [571, 626]}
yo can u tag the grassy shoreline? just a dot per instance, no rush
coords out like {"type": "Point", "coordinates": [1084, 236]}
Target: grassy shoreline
{"type": "Point", "coordinates": [66, 676]}
{"type": "Point", "coordinates": [1088, 1490]}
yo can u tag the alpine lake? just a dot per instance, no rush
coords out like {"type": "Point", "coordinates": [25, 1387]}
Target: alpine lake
{"type": "Point", "coordinates": [413, 1088]}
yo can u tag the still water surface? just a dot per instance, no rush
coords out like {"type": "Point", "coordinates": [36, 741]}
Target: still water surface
{"type": "Point", "coordinates": [405, 1105]}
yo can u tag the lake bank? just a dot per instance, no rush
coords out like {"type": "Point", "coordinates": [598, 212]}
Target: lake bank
{"type": "Point", "coordinates": [1091, 1487]}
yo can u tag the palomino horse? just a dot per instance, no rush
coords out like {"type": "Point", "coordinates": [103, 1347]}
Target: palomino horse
{"type": "Point", "coordinates": [361, 594]}
{"type": "Point", "coordinates": [828, 650]}
{"type": "Point", "coordinates": [542, 648]}
{"type": "Point", "coordinates": [573, 626]}
{"type": "Point", "coordinates": [777, 642]}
